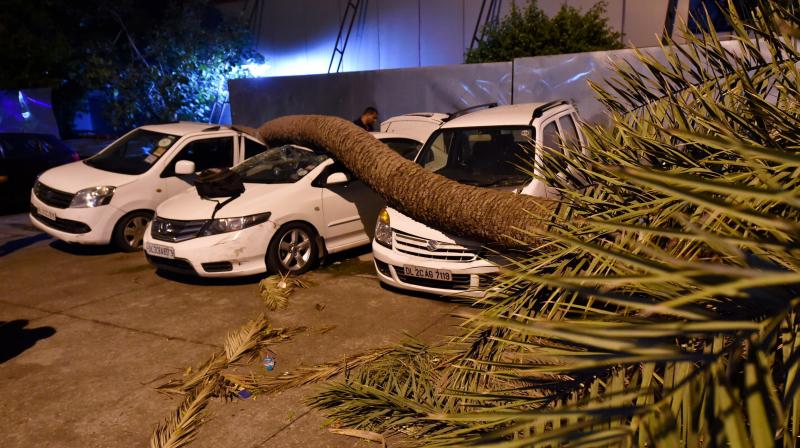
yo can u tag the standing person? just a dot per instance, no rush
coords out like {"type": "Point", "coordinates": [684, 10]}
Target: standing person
{"type": "Point", "coordinates": [367, 119]}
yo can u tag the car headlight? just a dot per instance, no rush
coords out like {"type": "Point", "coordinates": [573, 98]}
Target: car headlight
{"type": "Point", "coordinates": [93, 197]}
{"type": "Point", "coordinates": [383, 229]}
{"type": "Point", "coordinates": [224, 225]}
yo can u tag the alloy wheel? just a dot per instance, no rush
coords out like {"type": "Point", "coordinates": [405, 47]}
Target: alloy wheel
{"type": "Point", "coordinates": [294, 249]}
{"type": "Point", "coordinates": [133, 233]}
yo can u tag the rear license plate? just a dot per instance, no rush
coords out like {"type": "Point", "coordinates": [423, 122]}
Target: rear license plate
{"type": "Point", "coordinates": [428, 273]}
{"type": "Point", "coordinates": [51, 215]}
{"type": "Point", "coordinates": [159, 250]}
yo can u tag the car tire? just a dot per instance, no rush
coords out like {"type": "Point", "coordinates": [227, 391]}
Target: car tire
{"type": "Point", "coordinates": [129, 231]}
{"type": "Point", "coordinates": [293, 249]}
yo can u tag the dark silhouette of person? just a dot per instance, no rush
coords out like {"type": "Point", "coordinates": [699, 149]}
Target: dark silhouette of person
{"type": "Point", "coordinates": [367, 119]}
{"type": "Point", "coordinates": [15, 338]}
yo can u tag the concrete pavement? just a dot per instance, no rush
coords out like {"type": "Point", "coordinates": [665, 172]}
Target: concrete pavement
{"type": "Point", "coordinates": [87, 333]}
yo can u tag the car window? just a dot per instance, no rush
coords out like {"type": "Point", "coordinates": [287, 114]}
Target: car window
{"type": "Point", "coordinates": [436, 157]}
{"type": "Point", "coordinates": [135, 153]}
{"type": "Point", "coordinates": [569, 129]}
{"type": "Point", "coordinates": [252, 147]}
{"type": "Point", "coordinates": [483, 156]}
{"type": "Point", "coordinates": [552, 152]}
{"type": "Point", "coordinates": [404, 146]}
{"type": "Point", "coordinates": [205, 153]}
{"type": "Point", "coordinates": [281, 165]}
{"type": "Point", "coordinates": [550, 136]}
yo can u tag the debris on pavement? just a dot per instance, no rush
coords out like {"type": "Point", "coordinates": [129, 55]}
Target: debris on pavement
{"type": "Point", "coordinates": [276, 289]}
{"type": "Point", "coordinates": [364, 435]}
{"type": "Point", "coordinates": [268, 362]}
{"type": "Point", "coordinates": [244, 394]}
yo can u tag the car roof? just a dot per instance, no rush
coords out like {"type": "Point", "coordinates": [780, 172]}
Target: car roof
{"type": "Point", "coordinates": [507, 115]}
{"type": "Point", "coordinates": [417, 116]}
{"type": "Point", "coordinates": [388, 135]}
{"type": "Point", "coordinates": [183, 127]}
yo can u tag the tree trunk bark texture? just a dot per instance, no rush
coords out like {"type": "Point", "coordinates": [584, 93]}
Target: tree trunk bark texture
{"type": "Point", "coordinates": [481, 214]}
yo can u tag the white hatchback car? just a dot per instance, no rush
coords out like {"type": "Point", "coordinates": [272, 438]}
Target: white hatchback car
{"type": "Point", "coordinates": [298, 205]}
{"type": "Point", "coordinates": [110, 198]}
{"type": "Point", "coordinates": [480, 148]}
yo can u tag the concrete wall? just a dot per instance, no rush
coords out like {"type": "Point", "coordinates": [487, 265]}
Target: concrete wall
{"type": "Point", "coordinates": [298, 36]}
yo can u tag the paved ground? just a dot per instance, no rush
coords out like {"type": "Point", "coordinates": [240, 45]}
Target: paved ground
{"type": "Point", "coordinates": [86, 333]}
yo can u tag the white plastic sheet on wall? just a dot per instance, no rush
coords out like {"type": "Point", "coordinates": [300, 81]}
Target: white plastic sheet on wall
{"type": "Point", "coordinates": [565, 76]}
{"type": "Point", "coordinates": [392, 92]}
{"type": "Point", "coordinates": [435, 89]}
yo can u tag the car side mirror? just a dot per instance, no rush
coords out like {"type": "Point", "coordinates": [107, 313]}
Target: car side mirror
{"type": "Point", "coordinates": [183, 167]}
{"type": "Point", "coordinates": [337, 179]}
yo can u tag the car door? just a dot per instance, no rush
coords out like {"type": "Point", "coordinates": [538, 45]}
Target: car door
{"type": "Point", "coordinates": [349, 210]}
{"type": "Point", "coordinates": [205, 152]}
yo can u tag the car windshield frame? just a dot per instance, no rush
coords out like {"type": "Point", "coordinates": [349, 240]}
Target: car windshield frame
{"type": "Point", "coordinates": [153, 149]}
{"type": "Point", "coordinates": [486, 178]}
{"type": "Point", "coordinates": [292, 171]}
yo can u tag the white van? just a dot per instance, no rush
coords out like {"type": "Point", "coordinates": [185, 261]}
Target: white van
{"type": "Point", "coordinates": [111, 197]}
{"type": "Point", "coordinates": [481, 148]}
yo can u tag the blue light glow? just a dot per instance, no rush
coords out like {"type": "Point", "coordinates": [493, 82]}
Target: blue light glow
{"type": "Point", "coordinates": [23, 107]}
{"type": "Point", "coordinates": [577, 76]}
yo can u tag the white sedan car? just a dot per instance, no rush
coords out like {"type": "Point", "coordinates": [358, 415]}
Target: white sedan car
{"type": "Point", "coordinates": [298, 205]}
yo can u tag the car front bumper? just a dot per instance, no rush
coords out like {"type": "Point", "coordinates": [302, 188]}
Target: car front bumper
{"type": "Point", "coordinates": [233, 254]}
{"type": "Point", "coordinates": [93, 225]}
{"type": "Point", "coordinates": [470, 279]}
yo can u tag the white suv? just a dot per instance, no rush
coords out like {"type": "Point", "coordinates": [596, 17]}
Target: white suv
{"type": "Point", "coordinates": [110, 198]}
{"type": "Point", "coordinates": [482, 148]}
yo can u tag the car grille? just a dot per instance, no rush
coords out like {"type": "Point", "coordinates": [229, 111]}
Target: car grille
{"type": "Point", "coordinates": [435, 250]}
{"type": "Point", "coordinates": [461, 282]}
{"type": "Point", "coordinates": [174, 231]}
{"type": "Point", "coordinates": [64, 225]}
{"type": "Point", "coordinates": [218, 266]}
{"type": "Point", "coordinates": [177, 265]}
{"type": "Point", "coordinates": [51, 196]}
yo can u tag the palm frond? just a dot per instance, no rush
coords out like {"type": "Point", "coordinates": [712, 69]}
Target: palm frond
{"type": "Point", "coordinates": [180, 429]}
{"type": "Point", "coordinates": [659, 307]}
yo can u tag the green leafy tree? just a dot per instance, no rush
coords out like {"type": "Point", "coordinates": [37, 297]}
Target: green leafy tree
{"type": "Point", "coordinates": [150, 61]}
{"type": "Point", "coordinates": [528, 32]}
{"type": "Point", "coordinates": [175, 68]}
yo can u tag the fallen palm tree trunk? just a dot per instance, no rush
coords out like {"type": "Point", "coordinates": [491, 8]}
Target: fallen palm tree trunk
{"type": "Point", "coordinates": [482, 214]}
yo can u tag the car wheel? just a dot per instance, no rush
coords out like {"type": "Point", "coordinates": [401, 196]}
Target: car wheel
{"type": "Point", "coordinates": [293, 249]}
{"type": "Point", "coordinates": [129, 231]}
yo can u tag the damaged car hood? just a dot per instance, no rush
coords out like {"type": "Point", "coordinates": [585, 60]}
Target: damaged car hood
{"type": "Point", "coordinates": [257, 198]}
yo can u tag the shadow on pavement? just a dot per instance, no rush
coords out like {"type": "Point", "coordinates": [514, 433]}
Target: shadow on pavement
{"type": "Point", "coordinates": [13, 208]}
{"type": "Point", "coordinates": [83, 249]}
{"type": "Point", "coordinates": [20, 243]}
{"type": "Point", "coordinates": [206, 281]}
{"type": "Point", "coordinates": [15, 338]}
{"type": "Point", "coordinates": [426, 295]}
{"type": "Point", "coordinates": [345, 262]}
{"type": "Point", "coordinates": [346, 255]}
